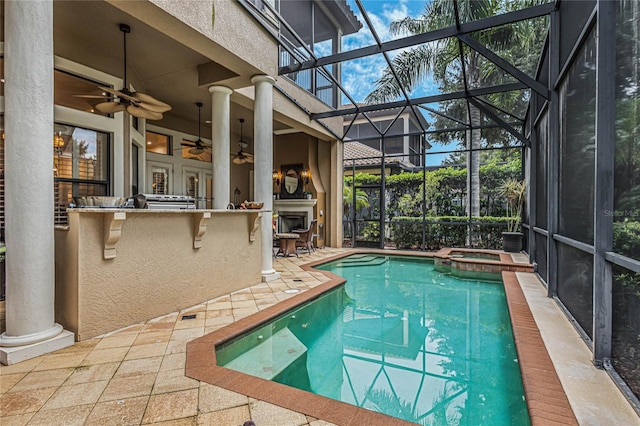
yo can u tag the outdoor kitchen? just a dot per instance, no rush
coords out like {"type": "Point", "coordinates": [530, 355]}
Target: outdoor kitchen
{"type": "Point", "coordinates": [119, 266]}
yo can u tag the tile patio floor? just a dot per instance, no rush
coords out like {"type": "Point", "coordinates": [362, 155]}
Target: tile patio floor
{"type": "Point", "coordinates": [136, 375]}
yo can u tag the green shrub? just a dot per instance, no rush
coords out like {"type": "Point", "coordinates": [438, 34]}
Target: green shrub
{"type": "Point", "coordinates": [447, 231]}
{"type": "Point", "coordinates": [444, 190]}
{"type": "Point", "coordinates": [626, 238]}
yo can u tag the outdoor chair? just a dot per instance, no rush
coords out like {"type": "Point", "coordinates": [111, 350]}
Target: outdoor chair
{"type": "Point", "coordinates": [306, 237]}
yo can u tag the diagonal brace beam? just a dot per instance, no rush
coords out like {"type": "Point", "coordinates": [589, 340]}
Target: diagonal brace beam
{"type": "Point", "coordinates": [500, 121]}
{"type": "Point", "coordinates": [504, 65]}
{"type": "Point", "coordinates": [465, 27]}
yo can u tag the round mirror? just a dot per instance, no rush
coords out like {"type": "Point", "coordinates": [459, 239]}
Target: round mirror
{"type": "Point", "coordinates": [291, 181]}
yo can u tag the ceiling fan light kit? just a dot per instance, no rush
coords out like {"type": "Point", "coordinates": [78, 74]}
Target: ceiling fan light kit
{"type": "Point", "coordinates": [242, 157]}
{"type": "Point", "coordinates": [197, 147]}
{"type": "Point", "coordinates": [137, 104]}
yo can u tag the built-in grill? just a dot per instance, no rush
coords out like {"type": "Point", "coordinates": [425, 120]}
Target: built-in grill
{"type": "Point", "coordinates": [170, 202]}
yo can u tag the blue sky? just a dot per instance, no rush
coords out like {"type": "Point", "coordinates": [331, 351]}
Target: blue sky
{"type": "Point", "coordinates": [359, 75]}
{"type": "Point", "coordinates": [88, 136]}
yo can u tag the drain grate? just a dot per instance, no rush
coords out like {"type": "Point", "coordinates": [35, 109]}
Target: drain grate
{"type": "Point", "coordinates": [297, 280]}
{"type": "Point", "coordinates": [188, 317]}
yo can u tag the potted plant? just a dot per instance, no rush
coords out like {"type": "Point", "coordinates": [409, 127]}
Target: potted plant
{"type": "Point", "coordinates": [513, 190]}
{"type": "Point", "coordinates": [308, 195]}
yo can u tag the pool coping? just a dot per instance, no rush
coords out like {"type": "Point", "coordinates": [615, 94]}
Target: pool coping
{"type": "Point", "coordinates": [545, 397]}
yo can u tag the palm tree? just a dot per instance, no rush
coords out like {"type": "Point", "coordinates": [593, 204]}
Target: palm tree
{"type": "Point", "coordinates": [361, 201]}
{"type": "Point", "coordinates": [441, 59]}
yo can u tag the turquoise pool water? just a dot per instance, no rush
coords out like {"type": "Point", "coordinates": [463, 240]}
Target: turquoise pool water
{"type": "Point", "coordinates": [398, 338]}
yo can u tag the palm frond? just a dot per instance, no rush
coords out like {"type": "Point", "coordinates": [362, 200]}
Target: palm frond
{"type": "Point", "coordinates": [408, 26]}
{"type": "Point", "coordinates": [411, 67]}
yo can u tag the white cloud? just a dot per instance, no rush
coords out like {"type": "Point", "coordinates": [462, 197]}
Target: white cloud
{"type": "Point", "coordinates": [359, 75]}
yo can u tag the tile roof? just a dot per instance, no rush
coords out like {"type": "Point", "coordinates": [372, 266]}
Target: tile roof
{"type": "Point", "coordinates": [364, 155]}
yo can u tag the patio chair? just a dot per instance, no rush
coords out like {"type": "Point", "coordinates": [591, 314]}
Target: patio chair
{"type": "Point", "coordinates": [306, 237]}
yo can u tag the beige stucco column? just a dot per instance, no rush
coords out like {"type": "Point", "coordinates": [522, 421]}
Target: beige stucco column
{"type": "Point", "coordinates": [28, 66]}
{"type": "Point", "coordinates": [221, 150]}
{"type": "Point", "coordinates": [263, 166]}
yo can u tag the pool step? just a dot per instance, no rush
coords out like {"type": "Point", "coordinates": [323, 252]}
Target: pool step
{"type": "Point", "coordinates": [271, 357]}
{"type": "Point", "coordinates": [361, 260]}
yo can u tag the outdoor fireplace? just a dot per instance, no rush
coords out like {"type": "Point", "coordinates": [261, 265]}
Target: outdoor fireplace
{"type": "Point", "coordinates": [293, 214]}
{"type": "Point", "coordinates": [292, 220]}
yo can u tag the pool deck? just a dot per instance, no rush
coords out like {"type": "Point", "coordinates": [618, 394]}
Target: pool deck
{"type": "Point", "coordinates": [136, 375]}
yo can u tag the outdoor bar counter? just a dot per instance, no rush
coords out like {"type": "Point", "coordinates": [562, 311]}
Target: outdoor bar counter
{"type": "Point", "coordinates": [116, 267]}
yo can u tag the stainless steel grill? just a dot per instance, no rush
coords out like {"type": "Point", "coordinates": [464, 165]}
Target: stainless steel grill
{"type": "Point", "coordinates": [171, 202]}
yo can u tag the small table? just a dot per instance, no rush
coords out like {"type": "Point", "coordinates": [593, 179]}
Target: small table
{"type": "Point", "coordinates": [287, 244]}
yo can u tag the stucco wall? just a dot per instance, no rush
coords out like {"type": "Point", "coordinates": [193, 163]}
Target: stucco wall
{"type": "Point", "coordinates": [156, 270]}
{"type": "Point", "coordinates": [241, 44]}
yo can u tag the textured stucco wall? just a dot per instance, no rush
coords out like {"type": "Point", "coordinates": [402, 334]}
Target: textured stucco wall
{"type": "Point", "coordinates": [231, 28]}
{"type": "Point", "coordinates": [156, 270]}
{"type": "Point", "coordinates": [237, 31]}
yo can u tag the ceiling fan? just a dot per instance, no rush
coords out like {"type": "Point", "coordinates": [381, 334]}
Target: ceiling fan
{"type": "Point", "coordinates": [135, 103]}
{"type": "Point", "coordinates": [242, 157]}
{"type": "Point", "coordinates": [197, 147]}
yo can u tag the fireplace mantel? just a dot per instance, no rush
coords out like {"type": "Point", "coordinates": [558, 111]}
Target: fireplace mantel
{"type": "Point", "coordinates": [301, 205]}
{"type": "Point", "coordinates": [297, 203]}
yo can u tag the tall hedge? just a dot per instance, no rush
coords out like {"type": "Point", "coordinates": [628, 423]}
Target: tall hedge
{"type": "Point", "coordinates": [446, 190]}
{"type": "Point", "coordinates": [447, 231]}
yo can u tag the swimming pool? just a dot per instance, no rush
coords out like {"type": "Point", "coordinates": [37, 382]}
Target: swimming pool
{"type": "Point", "coordinates": [397, 338]}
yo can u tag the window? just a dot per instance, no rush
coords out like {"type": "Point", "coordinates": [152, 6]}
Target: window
{"type": "Point", "coordinates": [135, 169]}
{"type": "Point", "coordinates": [67, 87]}
{"type": "Point", "coordinates": [415, 150]}
{"type": "Point", "coordinates": [158, 143]}
{"type": "Point", "coordinates": [191, 182]}
{"type": "Point", "coordinates": [80, 166]}
{"type": "Point", "coordinates": [159, 180]}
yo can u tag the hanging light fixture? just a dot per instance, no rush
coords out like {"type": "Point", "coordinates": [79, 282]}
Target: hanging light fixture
{"type": "Point", "coordinates": [242, 157]}
{"type": "Point", "coordinates": [197, 147]}
{"type": "Point", "coordinates": [58, 140]}
{"type": "Point", "coordinates": [305, 175]}
{"type": "Point", "coordinates": [276, 176]}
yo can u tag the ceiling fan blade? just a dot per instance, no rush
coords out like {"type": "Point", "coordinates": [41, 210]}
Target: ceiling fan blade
{"type": "Point", "coordinates": [158, 106]}
{"type": "Point", "coordinates": [92, 96]}
{"type": "Point", "coordinates": [152, 107]}
{"type": "Point", "coordinates": [136, 111]}
{"type": "Point", "coordinates": [190, 144]}
{"type": "Point", "coordinates": [109, 107]}
{"type": "Point", "coordinates": [117, 93]}
{"type": "Point", "coordinates": [239, 160]}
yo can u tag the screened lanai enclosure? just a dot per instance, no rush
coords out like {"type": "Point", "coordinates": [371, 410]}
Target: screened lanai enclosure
{"type": "Point", "coordinates": [455, 102]}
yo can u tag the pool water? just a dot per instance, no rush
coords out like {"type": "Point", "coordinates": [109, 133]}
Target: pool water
{"type": "Point", "coordinates": [397, 338]}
